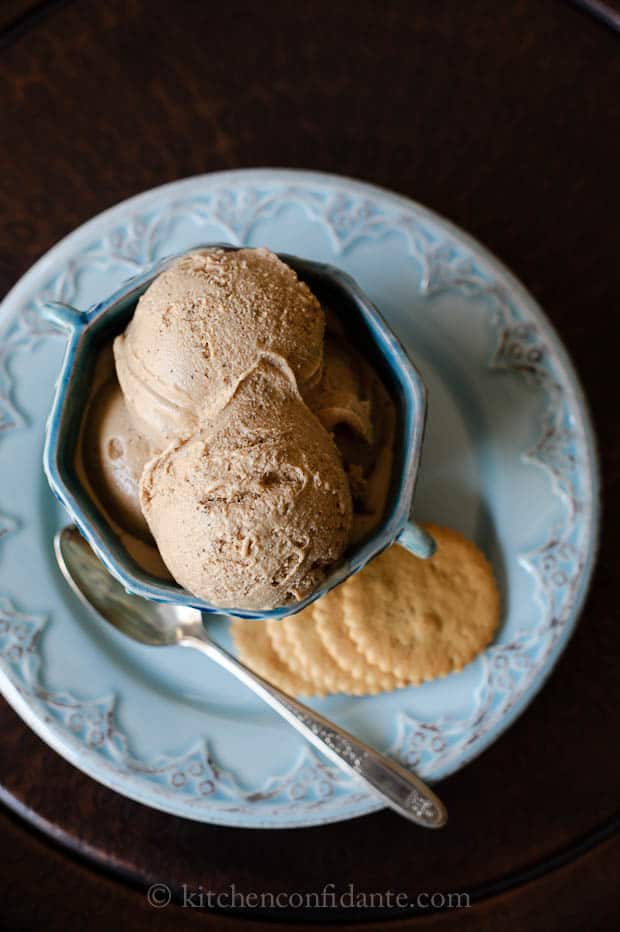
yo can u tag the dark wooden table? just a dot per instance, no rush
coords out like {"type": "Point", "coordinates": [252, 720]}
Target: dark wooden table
{"type": "Point", "coordinates": [505, 118]}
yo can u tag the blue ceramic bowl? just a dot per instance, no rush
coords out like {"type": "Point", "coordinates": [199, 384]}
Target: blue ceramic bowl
{"type": "Point", "coordinates": [88, 330]}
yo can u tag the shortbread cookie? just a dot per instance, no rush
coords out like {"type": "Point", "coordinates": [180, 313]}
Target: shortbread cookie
{"type": "Point", "coordinates": [335, 636]}
{"type": "Point", "coordinates": [296, 640]}
{"type": "Point", "coordinates": [256, 651]}
{"type": "Point", "coordinates": [419, 619]}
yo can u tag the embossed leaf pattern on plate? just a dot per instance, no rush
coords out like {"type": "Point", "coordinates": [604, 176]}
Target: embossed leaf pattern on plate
{"type": "Point", "coordinates": [128, 240]}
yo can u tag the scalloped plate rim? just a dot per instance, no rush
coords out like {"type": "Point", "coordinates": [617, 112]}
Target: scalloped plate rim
{"type": "Point", "coordinates": [47, 730]}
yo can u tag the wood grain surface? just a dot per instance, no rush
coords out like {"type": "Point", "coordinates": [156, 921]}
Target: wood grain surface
{"type": "Point", "coordinates": [506, 119]}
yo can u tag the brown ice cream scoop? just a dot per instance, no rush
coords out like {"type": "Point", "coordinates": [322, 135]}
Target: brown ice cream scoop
{"type": "Point", "coordinates": [253, 510]}
{"type": "Point", "coordinates": [354, 406]}
{"type": "Point", "coordinates": [343, 395]}
{"type": "Point", "coordinates": [114, 455]}
{"type": "Point", "coordinates": [201, 324]}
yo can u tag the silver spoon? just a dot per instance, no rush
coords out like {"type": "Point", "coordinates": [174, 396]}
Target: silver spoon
{"type": "Point", "coordinates": [158, 625]}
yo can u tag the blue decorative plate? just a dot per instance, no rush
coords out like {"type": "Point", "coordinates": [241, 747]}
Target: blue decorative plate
{"type": "Point", "coordinates": [509, 460]}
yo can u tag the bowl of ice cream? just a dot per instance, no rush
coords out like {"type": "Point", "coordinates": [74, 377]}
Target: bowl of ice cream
{"type": "Point", "coordinates": [236, 431]}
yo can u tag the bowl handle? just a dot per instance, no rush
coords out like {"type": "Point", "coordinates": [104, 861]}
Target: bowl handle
{"type": "Point", "coordinates": [64, 316]}
{"type": "Point", "coordinates": [417, 540]}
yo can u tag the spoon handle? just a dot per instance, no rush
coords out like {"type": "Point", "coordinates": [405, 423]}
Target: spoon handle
{"type": "Point", "coordinates": [394, 785]}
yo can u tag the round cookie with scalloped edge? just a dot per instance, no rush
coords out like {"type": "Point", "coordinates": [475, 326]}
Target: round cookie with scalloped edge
{"type": "Point", "coordinates": [256, 651]}
{"type": "Point", "coordinates": [335, 636]}
{"type": "Point", "coordinates": [420, 619]}
{"type": "Point", "coordinates": [297, 641]}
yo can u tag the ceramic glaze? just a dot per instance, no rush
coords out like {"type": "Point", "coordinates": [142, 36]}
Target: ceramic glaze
{"type": "Point", "coordinates": [86, 330]}
{"type": "Point", "coordinates": [508, 460]}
